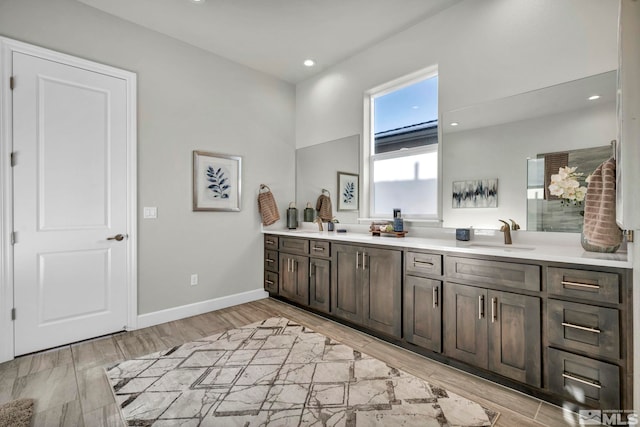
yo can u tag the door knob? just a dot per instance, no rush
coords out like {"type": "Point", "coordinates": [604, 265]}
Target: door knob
{"type": "Point", "coordinates": [118, 237]}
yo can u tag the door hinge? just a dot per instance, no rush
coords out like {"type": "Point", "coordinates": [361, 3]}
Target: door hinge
{"type": "Point", "coordinates": [13, 237]}
{"type": "Point", "coordinates": [12, 83]}
{"type": "Point", "coordinates": [13, 314]}
{"type": "Point", "coordinates": [13, 159]}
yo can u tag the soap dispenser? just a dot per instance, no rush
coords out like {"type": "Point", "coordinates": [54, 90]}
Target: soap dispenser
{"type": "Point", "coordinates": [398, 223]}
{"type": "Point", "coordinates": [292, 216]}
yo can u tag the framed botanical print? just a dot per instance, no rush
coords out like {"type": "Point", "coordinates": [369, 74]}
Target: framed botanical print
{"type": "Point", "coordinates": [348, 191]}
{"type": "Point", "coordinates": [217, 180]}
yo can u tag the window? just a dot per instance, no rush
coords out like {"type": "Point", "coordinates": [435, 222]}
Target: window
{"type": "Point", "coordinates": [403, 165]}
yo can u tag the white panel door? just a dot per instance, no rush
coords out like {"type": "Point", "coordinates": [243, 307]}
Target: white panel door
{"type": "Point", "coordinates": [70, 196]}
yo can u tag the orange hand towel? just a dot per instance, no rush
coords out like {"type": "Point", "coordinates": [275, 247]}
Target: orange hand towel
{"type": "Point", "coordinates": [323, 206]}
{"type": "Point", "coordinates": [267, 206]}
{"type": "Point", "coordinates": [600, 227]}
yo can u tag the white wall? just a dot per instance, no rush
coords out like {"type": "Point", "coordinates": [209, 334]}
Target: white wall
{"type": "Point", "coordinates": [484, 49]}
{"type": "Point", "coordinates": [187, 99]}
{"type": "Point", "coordinates": [501, 152]}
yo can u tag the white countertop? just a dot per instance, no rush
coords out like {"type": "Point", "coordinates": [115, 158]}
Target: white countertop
{"type": "Point", "coordinates": [525, 247]}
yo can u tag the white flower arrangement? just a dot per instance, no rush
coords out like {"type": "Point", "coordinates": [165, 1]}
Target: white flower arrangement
{"type": "Point", "coordinates": [566, 185]}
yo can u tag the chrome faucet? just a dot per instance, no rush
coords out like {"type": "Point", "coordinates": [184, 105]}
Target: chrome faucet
{"type": "Point", "coordinates": [506, 229]}
{"type": "Point", "coordinates": [319, 221]}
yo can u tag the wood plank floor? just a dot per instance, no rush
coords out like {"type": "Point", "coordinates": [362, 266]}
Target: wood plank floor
{"type": "Point", "coordinates": [70, 388]}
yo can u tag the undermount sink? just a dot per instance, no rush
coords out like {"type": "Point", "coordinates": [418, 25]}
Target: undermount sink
{"type": "Point", "coordinates": [507, 248]}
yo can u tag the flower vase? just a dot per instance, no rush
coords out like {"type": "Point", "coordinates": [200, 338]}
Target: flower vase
{"type": "Point", "coordinates": [589, 247]}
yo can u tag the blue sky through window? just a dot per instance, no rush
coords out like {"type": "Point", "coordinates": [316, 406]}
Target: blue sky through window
{"type": "Point", "coordinates": [410, 105]}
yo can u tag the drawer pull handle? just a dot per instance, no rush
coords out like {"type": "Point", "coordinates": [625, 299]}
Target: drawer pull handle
{"type": "Point", "coordinates": [417, 261]}
{"type": "Point", "coordinates": [270, 242]}
{"type": "Point", "coordinates": [494, 311]}
{"type": "Point", "coordinates": [357, 260]}
{"type": "Point", "coordinates": [480, 307]}
{"type": "Point", "coordinates": [582, 328]}
{"type": "Point", "coordinates": [269, 260]}
{"type": "Point", "coordinates": [269, 282]}
{"type": "Point", "coordinates": [318, 248]}
{"type": "Point", "coordinates": [580, 285]}
{"type": "Point", "coordinates": [435, 297]}
{"type": "Point", "coordinates": [580, 380]}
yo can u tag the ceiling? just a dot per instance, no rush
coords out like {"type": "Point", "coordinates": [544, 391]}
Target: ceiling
{"type": "Point", "coordinates": [276, 36]}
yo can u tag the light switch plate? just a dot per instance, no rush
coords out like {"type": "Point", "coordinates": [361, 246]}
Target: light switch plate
{"type": "Point", "coordinates": [150, 212]}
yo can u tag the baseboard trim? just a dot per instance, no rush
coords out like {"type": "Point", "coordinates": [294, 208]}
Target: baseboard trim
{"type": "Point", "coordinates": [177, 313]}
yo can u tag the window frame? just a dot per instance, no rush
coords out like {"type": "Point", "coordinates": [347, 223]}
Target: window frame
{"type": "Point", "coordinates": [368, 156]}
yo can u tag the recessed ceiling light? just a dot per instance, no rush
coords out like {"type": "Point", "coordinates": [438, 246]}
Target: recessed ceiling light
{"type": "Point", "coordinates": [454, 123]}
{"type": "Point", "coordinates": [309, 62]}
{"type": "Point", "coordinates": [415, 107]}
{"type": "Point", "coordinates": [594, 97]}
{"type": "Point", "coordinates": [197, 1]}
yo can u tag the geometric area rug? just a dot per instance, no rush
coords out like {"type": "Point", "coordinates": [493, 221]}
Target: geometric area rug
{"type": "Point", "coordinates": [279, 373]}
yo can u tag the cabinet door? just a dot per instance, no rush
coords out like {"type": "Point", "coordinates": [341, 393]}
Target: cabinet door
{"type": "Point", "coordinates": [319, 284]}
{"type": "Point", "coordinates": [423, 312]}
{"type": "Point", "coordinates": [381, 271]}
{"type": "Point", "coordinates": [294, 278]}
{"type": "Point", "coordinates": [514, 337]}
{"type": "Point", "coordinates": [346, 286]}
{"type": "Point", "coordinates": [465, 324]}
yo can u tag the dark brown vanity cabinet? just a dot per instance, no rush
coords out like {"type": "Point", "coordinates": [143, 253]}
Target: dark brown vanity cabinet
{"type": "Point", "coordinates": [422, 300]}
{"type": "Point", "coordinates": [271, 265]}
{"type": "Point", "coordinates": [298, 270]}
{"type": "Point", "coordinates": [294, 277]}
{"type": "Point", "coordinates": [494, 330]}
{"type": "Point", "coordinates": [585, 320]}
{"type": "Point", "coordinates": [561, 330]}
{"type": "Point", "coordinates": [320, 276]}
{"type": "Point", "coordinates": [423, 312]}
{"type": "Point", "coordinates": [366, 287]}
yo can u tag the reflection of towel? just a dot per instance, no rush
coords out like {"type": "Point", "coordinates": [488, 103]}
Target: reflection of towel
{"type": "Point", "coordinates": [268, 208]}
{"type": "Point", "coordinates": [323, 206]}
{"type": "Point", "coordinates": [600, 227]}
{"type": "Point", "coordinates": [552, 164]}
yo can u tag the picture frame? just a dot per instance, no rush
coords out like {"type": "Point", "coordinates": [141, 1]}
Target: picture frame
{"type": "Point", "coordinates": [348, 191]}
{"type": "Point", "coordinates": [475, 193]}
{"type": "Point", "coordinates": [217, 181]}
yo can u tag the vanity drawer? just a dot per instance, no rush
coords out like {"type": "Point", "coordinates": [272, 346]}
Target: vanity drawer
{"type": "Point", "coordinates": [270, 242]}
{"type": "Point", "coordinates": [570, 375]}
{"type": "Point", "coordinates": [584, 284]}
{"type": "Point", "coordinates": [271, 282]}
{"type": "Point", "coordinates": [586, 328]}
{"type": "Point", "coordinates": [320, 249]}
{"type": "Point", "coordinates": [271, 260]}
{"type": "Point", "coordinates": [294, 246]}
{"type": "Point", "coordinates": [424, 263]}
{"type": "Point", "coordinates": [514, 275]}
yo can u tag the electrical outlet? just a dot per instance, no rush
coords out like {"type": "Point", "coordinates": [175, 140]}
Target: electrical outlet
{"type": "Point", "coordinates": [194, 279]}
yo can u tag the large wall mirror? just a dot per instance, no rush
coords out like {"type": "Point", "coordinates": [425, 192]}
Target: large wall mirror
{"type": "Point", "coordinates": [317, 169]}
{"type": "Point", "coordinates": [506, 140]}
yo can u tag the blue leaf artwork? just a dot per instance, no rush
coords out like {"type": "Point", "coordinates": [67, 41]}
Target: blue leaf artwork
{"type": "Point", "coordinates": [220, 186]}
{"type": "Point", "coordinates": [348, 193]}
